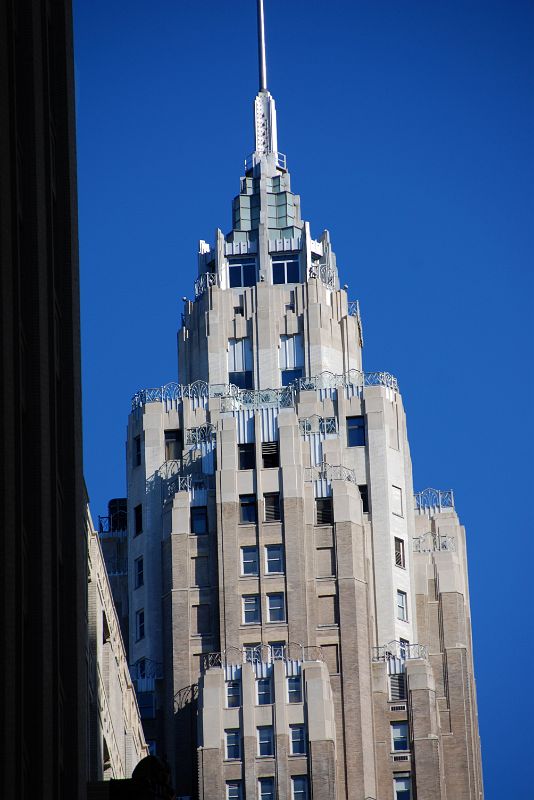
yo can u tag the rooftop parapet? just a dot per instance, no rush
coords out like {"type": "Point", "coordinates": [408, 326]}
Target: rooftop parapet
{"type": "Point", "coordinates": [434, 500]}
{"type": "Point", "coordinates": [233, 397]}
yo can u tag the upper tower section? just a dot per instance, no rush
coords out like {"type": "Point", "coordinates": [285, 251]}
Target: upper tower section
{"type": "Point", "coordinates": [264, 107]}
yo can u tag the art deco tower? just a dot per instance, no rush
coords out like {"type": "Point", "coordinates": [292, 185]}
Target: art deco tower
{"type": "Point", "coordinates": [299, 623]}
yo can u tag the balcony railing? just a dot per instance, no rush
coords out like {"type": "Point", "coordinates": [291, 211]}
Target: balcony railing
{"type": "Point", "coordinates": [434, 543]}
{"type": "Point", "coordinates": [202, 434]}
{"type": "Point", "coordinates": [253, 159]}
{"type": "Point", "coordinates": [327, 472]}
{"type": "Point", "coordinates": [434, 499]}
{"type": "Point", "coordinates": [261, 654]}
{"type": "Point", "coordinates": [203, 282]}
{"type": "Point", "coordinates": [233, 398]}
{"type": "Point", "coordinates": [399, 649]}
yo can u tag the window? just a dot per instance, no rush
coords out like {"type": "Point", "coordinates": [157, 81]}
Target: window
{"type": "Point", "coordinates": [399, 553]}
{"type": "Point", "coordinates": [233, 790]}
{"type": "Point", "coordinates": [270, 455]}
{"type": "Point", "coordinates": [274, 558]}
{"type": "Point", "coordinates": [249, 560]}
{"type": "Point", "coordinates": [252, 652]}
{"type": "Point", "coordinates": [396, 501]}
{"type": "Point", "coordinates": [233, 743]}
{"type": "Point", "coordinates": [251, 609]}
{"type": "Point", "coordinates": [265, 740]}
{"type": "Point", "coordinates": [355, 431]}
{"type": "Point", "coordinates": [402, 784]}
{"type": "Point", "coordinates": [291, 358]}
{"type": "Point", "coordinates": [233, 694]}
{"type": "Point", "coordinates": [399, 736]}
{"type": "Point", "coordinates": [294, 689]}
{"type": "Point", "coordinates": [248, 513]}
{"type": "Point", "coordinates": [240, 363]}
{"type": "Point", "coordinates": [364, 494]}
{"type": "Point", "coordinates": [139, 578]}
{"type": "Point", "coordinates": [137, 451]}
{"type": "Point", "coordinates": [242, 272]}
{"type": "Point", "coordinates": [138, 519]}
{"type": "Point", "coordinates": [286, 268]}
{"type": "Point", "coordinates": [263, 691]}
{"type": "Point", "coordinates": [199, 520]}
{"type": "Point", "coordinates": [402, 606]}
{"type": "Point", "coordinates": [297, 740]}
{"type": "Point", "coordinates": [404, 648]}
{"type": "Point", "coordinates": [276, 607]}
{"type": "Point", "coordinates": [200, 571]}
{"type": "Point", "coordinates": [326, 562]}
{"type": "Point", "coordinates": [246, 456]}
{"type": "Point", "coordinates": [272, 506]}
{"type": "Point", "coordinates": [299, 787]}
{"type": "Point", "coordinates": [324, 511]}
{"type": "Point", "coordinates": [277, 651]}
{"type": "Point", "coordinates": [173, 445]}
{"type": "Point", "coordinates": [397, 686]}
{"type": "Point", "coordinates": [140, 624]}
{"type": "Point", "coordinates": [200, 619]}
{"type": "Point", "coordinates": [266, 788]}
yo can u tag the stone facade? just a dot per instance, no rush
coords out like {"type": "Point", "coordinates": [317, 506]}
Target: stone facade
{"type": "Point", "coordinates": [116, 738]}
{"type": "Point", "coordinates": [300, 647]}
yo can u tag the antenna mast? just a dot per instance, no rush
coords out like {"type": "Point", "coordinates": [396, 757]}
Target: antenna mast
{"type": "Point", "coordinates": [261, 48]}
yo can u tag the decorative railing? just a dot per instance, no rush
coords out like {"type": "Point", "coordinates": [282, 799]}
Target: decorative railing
{"type": "Point", "coordinates": [324, 272]}
{"type": "Point", "coordinates": [434, 499]}
{"type": "Point", "coordinates": [331, 380]}
{"type": "Point", "coordinates": [146, 668]}
{"type": "Point", "coordinates": [233, 398]}
{"type": "Point", "coordinates": [253, 159]}
{"type": "Point", "coordinates": [399, 649]}
{"type": "Point", "coordinates": [327, 472]}
{"type": "Point", "coordinates": [262, 653]}
{"type": "Point", "coordinates": [434, 543]}
{"type": "Point", "coordinates": [203, 282]}
{"type": "Point", "coordinates": [317, 424]}
{"type": "Point", "coordinates": [186, 696]}
{"type": "Point", "coordinates": [354, 311]}
{"type": "Point", "coordinates": [115, 525]}
{"type": "Point", "coordinates": [201, 434]}
{"type": "Point", "coordinates": [259, 398]}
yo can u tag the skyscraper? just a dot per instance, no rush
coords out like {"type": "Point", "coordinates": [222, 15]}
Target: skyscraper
{"type": "Point", "coordinates": [299, 619]}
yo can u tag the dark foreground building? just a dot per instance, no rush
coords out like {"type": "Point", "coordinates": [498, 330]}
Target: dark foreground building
{"type": "Point", "coordinates": [43, 572]}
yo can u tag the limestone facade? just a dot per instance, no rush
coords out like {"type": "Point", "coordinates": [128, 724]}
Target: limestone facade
{"type": "Point", "coordinates": [301, 640]}
{"type": "Point", "coordinates": [116, 738]}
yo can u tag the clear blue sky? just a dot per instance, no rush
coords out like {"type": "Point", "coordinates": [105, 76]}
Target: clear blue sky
{"type": "Point", "coordinates": [409, 130]}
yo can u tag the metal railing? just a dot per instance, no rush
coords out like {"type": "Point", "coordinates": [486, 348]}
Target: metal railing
{"type": "Point", "coordinates": [113, 526]}
{"type": "Point", "coordinates": [203, 282]}
{"type": "Point", "coordinates": [146, 668]}
{"type": "Point", "coordinates": [261, 654]}
{"type": "Point", "coordinates": [318, 424]}
{"type": "Point", "coordinates": [399, 649]}
{"type": "Point", "coordinates": [434, 499]}
{"type": "Point", "coordinates": [434, 543]}
{"type": "Point", "coordinates": [329, 472]}
{"type": "Point", "coordinates": [253, 159]}
{"type": "Point", "coordinates": [232, 397]}
{"type": "Point", "coordinates": [201, 434]}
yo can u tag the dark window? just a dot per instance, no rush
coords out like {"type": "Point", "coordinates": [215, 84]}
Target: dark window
{"type": "Point", "coordinates": [263, 687]}
{"type": "Point", "coordinates": [397, 686]}
{"type": "Point", "coordinates": [249, 560]}
{"type": "Point", "coordinates": [324, 510]}
{"type": "Point", "coordinates": [399, 553]}
{"type": "Point", "coordinates": [290, 375]}
{"type": "Point", "coordinates": [270, 454]}
{"type": "Point", "coordinates": [173, 445]}
{"type": "Point", "coordinates": [294, 689]}
{"type": "Point", "coordinates": [233, 743]}
{"type": "Point", "coordinates": [399, 735]}
{"type": "Point", "coordinates": [199, 520]}
{"type": "Point", "coordinates": [147, 704]}
{"type": "Point", "coordinates": [265, 740]}
{"type": "Point", "coordinates": [403, 786]}
{"type": "Point", "coordinates": [272, 506]}
{"type": "Point", "coordinates": [274, 558]}
{"type": "Point", "coordinates": [404, 648]}
{"type": "Point", "coordinates": [140, 624]}
{"type": "Point", "coordinates": [298, 740]}
{"type": "Point", "coordinates": [247, 456]}
{"type": "Point", "coordinates": [137, 451]}
{"type": "Point", "coordinates": [138, 519]}
{"type": "Point", "coordinates": [286, 269]}
{"type": "Point", "coordinates": [242, 272]}
{"type": "Point", "coordinates": [364, 494]}
{"type": "Point", "coordinates": [276, 607]}
{"type": "Point", "coordinates": [355, 431]}
{"type": "Point", "coordinates": [247, 508]}
{"type": "Point", "coordinates": [243, 380]}
{"type": "Point", "coordinates": [139, 572]}
{"type": "Point", "coordinates": [233, 694]}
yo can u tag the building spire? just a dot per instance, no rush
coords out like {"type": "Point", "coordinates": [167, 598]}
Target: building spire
{"type": "Point", "coordinates": [261, 48]}
{"type": "Point", "coordinates": [264, 108]}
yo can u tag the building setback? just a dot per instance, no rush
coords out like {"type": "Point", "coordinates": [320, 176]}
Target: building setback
{"type": "Point", "coordinates": [299, 620]}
